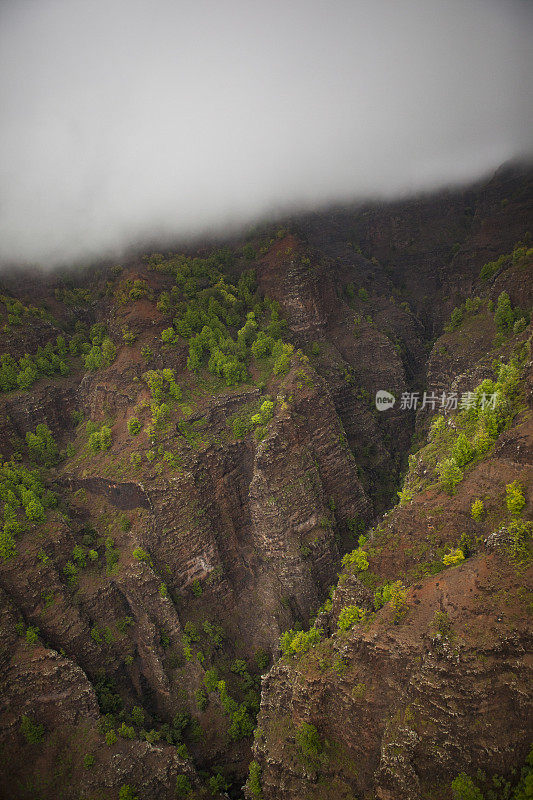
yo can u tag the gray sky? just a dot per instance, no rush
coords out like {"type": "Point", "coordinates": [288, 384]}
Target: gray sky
{"type": "Point", "coordinates": [122, 119]}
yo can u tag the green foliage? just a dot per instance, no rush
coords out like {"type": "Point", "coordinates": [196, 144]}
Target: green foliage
{"type": "Point", "coordinates": [217, 783]}
{"type": "Point", "coordinates": [126, 731]}
{"type": "Point", "coordinates": [241, 715]}
{"type": "Point", "coordinates": [463, 452]}
{"type": "Point", "coordinates": [356, 560]}
{"type": "Point", "coordinates": [298, 642]}
{"type": "Point", "coordinates": [196, 587]}
{"type": "Point", "coordinates": [456, 319]}
{"type": "Point", "coordinates": [211, 679]}
{"type": "Point", "coordinates": [477, 510]}
{"type": "Point", "coordinates": [453, 557]}
{"type": "Point", "coordinates": [248, 251]}
{"type": "Point", "coordinates": [100, 355]}
{"type": "Point", "coordinates": [463, 788]}
{"type": "Point", "coordinates": [109, 700]}
{"type": "Point", "coordinates": [515, 499]}
{"type": "Point", "coordinates": [47, 361]}
{"type": "Point", "coordinates": [88, 760]}
{"type": "Point", "coordinates": [282, 354]}
{"type": "Point", "coordinates": [254, 780]}
{"type": "Point", "coordinates": [134, 426]}
{"type": "Point", "coordinates": [128, 335]}
{"type": "Point", "coordinates": [183, 786]}
{"type": "Point", "coordinates": [398, 599]}
{"type": "Point", "coordinates": [450, 474]}
{"type": "Point", "coordinates": [111, 738]}
{"type": "Point", "coordinates": [308, 743]}
{"type": "Point", "coordinates": [520, 533]}
{"type": "Point", "coordinates": [141, 554]}
{"type": "Point", "coordinates": [42, 447]}
{"type": "Point", "coordinates": [32, 634]}
{"type": "Point", "coordinates": [201, 699]}
{"type": "Point", "coordinates": [225, 324]}
{"type": "Point", "coordinates": [137, 716]}
{"type": "Point", "coordinates": [350, 616]}
{"type": "Point", "coordinates": [21, 489]}
{"type": "Point", "coordinates": [100, 440]}
{"type": "Point", "coordinates": [111, 556]}
{"type": "Point", "coordinates": [32, 731]}
{"type": "Point", "coordinates": [519, 257]}
{"type": "Point", "coordinates": [362, 294]}
{"type": "Point", "coordinates": [126, 793]}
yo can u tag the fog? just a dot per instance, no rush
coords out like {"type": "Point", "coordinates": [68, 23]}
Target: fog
{"type": "Point", "coordinates": [122, 121]}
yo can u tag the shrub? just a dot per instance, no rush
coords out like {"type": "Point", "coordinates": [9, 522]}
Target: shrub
{"type": "Point", "coordinates": [126, 793]}
{"type": "Point", "coordinates": [442, 623]}
{"type": "Point", "coordinates": [32, 635]}
{"type": "Point", "coordinates": [515, 499]}
{"type": "Point", "coordinates": [455, 556]}
{"type": "Point", "coordinates": [456, 319]}
{"type": "Point", "coordinates": [111, 738]}
{"type": "Point", "coordinates": [292, 642]}
{"type": "Point", "coordinates": [254, 780]}
{"type": "Point", "coordinates": [503, 316]}
{"type": "Point", "coordinates": [217, 783]}
{"type": "Point", "coordinates": [350, 616]}
{"type": "Point", "coordinates": [211, 679]}
{"type": "Point", "coordinates": [135, 459]}
{"type": "Point", "coordinates": [137, 715]}
{"type": "Point", "coordinates": [282, 353]}
{"type": "Point", "coordinates": [357, 558]}
{"type": "Point", "coordinates": [100, 439]}
{"type": "Point", "coordinates": [34, 510]}
{"type": "Point", "coordinates": [141, 555]}
{"type": "Point", "coordinates": [183, 786]}
{"type": "Point", "coordinates": [520, 533]}
{"type": "Point", "coordinates": [134, 426]}
{"type": "Point", "coordinates": [70, 572]}
{"type": "Point", "coordinates": [308, 742]}
{"type": "Point", "coordinates": [398, 600]}
{"type": "Point", "coordinates": [477, 509]}
{"type": "Point", "coordinates": [462, 452]}
{"type": "Point", "coordinates": [126, 731]}
{"type": "Point", "coordinates": [450, 474]}
{"type": "Point", "coordinates": [88, 760]}
{"type": "Point", "coordinates": [201, 699]}
{"type": "Point", "coordinates": [32, 731]}
{"type": "Point", "coordinates": [42, 446]}
{"type": "Point", "coordinates": [463, 788]}
{"type": "Point", "coordinates": [78, 555]}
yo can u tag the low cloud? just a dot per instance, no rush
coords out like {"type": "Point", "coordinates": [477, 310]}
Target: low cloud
{"type": "Point", "coordinates": [123, 121]}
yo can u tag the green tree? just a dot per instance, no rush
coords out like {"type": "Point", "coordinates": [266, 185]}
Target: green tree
{"type": "Point", "coordinates": [515, 499]}
{"type": "Point", "coordinates": [32, 731]}
{"type": "Point", "coordinates": [463, 452]}
{"type": "Point", "coordinates": [450, 474]}
{"type": "Point", "coordinates": [503, 316]}
{"type": "Point", "coordinates": [477, 510]}
{"type": "Point", "coordinates": [350, 616]}
{"type": "Point", "coordinates": [463, 788]}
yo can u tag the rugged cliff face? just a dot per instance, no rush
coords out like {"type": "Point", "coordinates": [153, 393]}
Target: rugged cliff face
{"type": "Point", "coordinates": [202, 508]}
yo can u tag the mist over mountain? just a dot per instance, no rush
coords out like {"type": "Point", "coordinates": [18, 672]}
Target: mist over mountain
{"type": "Point", "coordinates": [123, 121]}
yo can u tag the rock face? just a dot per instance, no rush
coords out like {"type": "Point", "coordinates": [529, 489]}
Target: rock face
{"type": "Point", "coordinates": [405, 702]}
{"type": "Point", "coordinates": [197, 556]}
